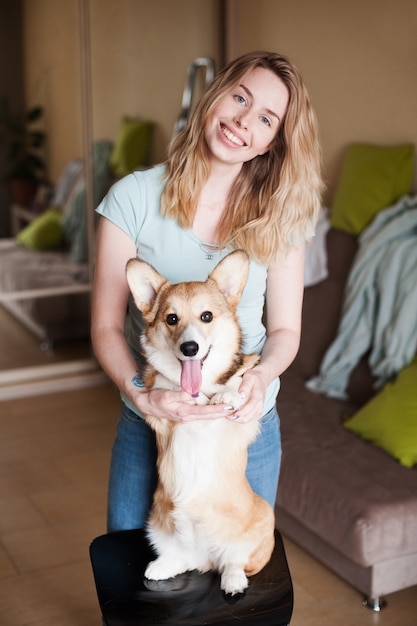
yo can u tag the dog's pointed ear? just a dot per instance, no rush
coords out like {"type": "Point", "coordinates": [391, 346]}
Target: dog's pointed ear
{"type": "Point", "coordinates": [144, 283]}
{"type": "Point", "coordinates": [231, 275]}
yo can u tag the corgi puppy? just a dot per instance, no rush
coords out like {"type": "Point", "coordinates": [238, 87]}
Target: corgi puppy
{"type": "Point", "coordinates": [205, 514]}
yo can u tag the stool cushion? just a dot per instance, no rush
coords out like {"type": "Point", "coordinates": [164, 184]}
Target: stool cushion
{"type": "Point", "coordinates": [119, 561]}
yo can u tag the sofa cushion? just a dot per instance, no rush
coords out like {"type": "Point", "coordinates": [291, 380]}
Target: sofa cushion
{"type": "Point", "coordinates": [44, 233]}
{"type": "Point", "coordinates": [323, 303]}
{"type": "Point", "coordinates": [348, 492]}
{"type": "Point", "coordinates": [73, 171]}
{"type": "Point", "coordinates": [389, 420]}
{"type": "Point", "coordinates": [74, 221]}
{"type": "Point", "coordinates": [373, 178]}
{"type": "Point", "coordinates": [132, 146]}
{"type": "Point", "coordinates": [322, 309]}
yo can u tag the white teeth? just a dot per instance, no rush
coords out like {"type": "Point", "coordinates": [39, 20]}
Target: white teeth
{"type": "Point", "coordinates": [231, 137]}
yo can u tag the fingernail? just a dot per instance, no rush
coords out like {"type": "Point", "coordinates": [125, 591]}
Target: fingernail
{"type": "Point", "coordinates": [228, 408]}
{"type": "Point", "coordinates": [235, 417]}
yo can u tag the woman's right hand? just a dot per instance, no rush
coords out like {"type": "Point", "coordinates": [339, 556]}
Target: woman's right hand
{"type": "Point", "coordinates": [177, 406]}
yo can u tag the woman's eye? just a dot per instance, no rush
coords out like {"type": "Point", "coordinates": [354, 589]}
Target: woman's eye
{"type": "Point", "coordinates": [265, 120]}
{"type": "Point", "coordinates": [206, 317]}
{"type": "Point", "coordinates": [240, 99]}
{"type": "Point", "coordinates": [172, 319]}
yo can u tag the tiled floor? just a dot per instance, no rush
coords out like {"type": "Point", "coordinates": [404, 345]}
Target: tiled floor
{"type": "Point", "coordinates": [54, 455]}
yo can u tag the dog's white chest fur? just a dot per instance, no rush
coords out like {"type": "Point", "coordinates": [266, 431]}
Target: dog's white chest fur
{"type": "Point", "coordinates": [211, 517]}
{"type": "Point", "coordinates": [200, 453]}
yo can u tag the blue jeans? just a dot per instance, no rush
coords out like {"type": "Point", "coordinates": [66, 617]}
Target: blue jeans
{"type": "Point", "coordinates": [133, 473]}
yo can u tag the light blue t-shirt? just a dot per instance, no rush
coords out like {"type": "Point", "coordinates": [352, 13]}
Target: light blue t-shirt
{"type": "Point", "coordinates": [134, 205]}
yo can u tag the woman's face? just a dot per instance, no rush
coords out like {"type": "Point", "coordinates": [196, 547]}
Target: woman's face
{"type": "Point", "coordinates": [245, 122]}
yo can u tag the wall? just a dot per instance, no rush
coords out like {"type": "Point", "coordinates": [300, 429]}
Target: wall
{"type": "Point", "coordinates": [52, 75]}
{"type": "Point", "coordinates": [140, 51]}
{"type": "Point", "coordinates": [358, 58]}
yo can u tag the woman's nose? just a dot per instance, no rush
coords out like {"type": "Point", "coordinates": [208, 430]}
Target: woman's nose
{"type": "Point", "coordinates": [241, 121]}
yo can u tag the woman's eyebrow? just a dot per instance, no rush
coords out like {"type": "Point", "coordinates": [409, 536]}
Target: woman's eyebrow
{"type": "Point", "coordinates": [250, 94]}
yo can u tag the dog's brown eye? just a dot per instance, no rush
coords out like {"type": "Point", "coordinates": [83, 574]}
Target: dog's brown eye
{"type": "Point", "coordinates": [207, 317]}
{"type": "Point", "coordinates": [172, 319]}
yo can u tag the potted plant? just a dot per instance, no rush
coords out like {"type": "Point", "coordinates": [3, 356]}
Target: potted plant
{"type": "Point", "coordinates": [24, 141]}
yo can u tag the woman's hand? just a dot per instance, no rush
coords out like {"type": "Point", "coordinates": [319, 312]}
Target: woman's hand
{"type": "Point", "coordinates": [252, 391]}
{"type": "Point", "coordinates": [177, 406]}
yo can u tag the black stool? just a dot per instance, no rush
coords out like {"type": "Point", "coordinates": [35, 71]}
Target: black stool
{"type": "Point", "coordinates": [191, 599]}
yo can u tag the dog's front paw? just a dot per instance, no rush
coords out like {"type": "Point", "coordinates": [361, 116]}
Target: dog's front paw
{"type": "Point", "coordinates": [228, 396]}
{"type": "Point", "coordinates": [163, 568]}
{"type": "Point", "coordinates": [233, 580]}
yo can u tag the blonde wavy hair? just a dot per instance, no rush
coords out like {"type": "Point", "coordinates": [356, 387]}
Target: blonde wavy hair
{"type": "Point", "coordinates": [275, 200]}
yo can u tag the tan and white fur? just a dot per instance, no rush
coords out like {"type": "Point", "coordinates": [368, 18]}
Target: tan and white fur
{"type": "Point", "coordinates": [205, 514]}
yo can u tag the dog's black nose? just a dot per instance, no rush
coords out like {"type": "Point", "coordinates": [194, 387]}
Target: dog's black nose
{"type": "Point", "coordinates": [189, 348]}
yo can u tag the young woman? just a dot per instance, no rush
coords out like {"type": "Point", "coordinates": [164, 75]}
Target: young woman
{"type": "Point", "coordinates": [244, 173]}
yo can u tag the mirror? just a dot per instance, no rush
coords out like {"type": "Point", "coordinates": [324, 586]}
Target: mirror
{"type": "Point", "coordinates": [44, 289]}
{"type": "Point", "coordinates": [115, 59]}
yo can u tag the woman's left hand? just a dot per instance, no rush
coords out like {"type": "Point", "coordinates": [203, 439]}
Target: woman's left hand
{"type": "Point", "coordinates": [252, 390]}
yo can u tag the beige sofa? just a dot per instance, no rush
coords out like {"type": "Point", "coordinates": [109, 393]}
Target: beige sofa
{"type": "Point", "coordinates": [344, 500]}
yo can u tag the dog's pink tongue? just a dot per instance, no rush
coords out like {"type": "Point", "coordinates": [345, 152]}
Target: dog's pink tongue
{"type": "Point", "coordinates": [191, 376]}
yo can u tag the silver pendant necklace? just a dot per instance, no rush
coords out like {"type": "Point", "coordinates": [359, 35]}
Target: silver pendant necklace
{"type": "Point", "coordinates": [209, 250]}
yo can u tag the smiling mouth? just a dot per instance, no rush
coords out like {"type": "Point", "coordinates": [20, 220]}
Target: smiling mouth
{"type": "Point", "coordinates": [231, 137]}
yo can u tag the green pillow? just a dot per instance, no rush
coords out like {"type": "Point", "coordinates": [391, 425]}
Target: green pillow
{"type": "Point", "coordinates": [132, 148]}
{"type": "Point", "coordinates": [44, 233]}
{"type": "Point", "coordinates": [373, 178]}
{"type": "Point", "coordinates": [389, 420]}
